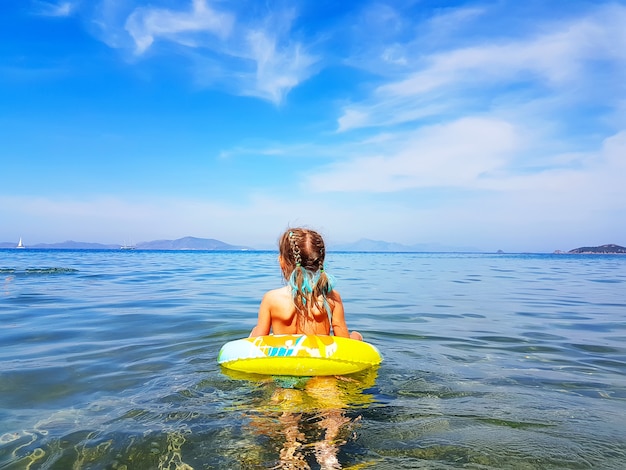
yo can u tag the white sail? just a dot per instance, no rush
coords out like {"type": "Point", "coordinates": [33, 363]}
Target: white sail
{"type": "Point", "coordinates": [20, 244]}
{"type": "Point", "coordinates": [127, 247]}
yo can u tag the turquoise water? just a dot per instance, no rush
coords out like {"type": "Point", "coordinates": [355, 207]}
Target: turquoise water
{"type": "Point", "coordinates": [108, 361]}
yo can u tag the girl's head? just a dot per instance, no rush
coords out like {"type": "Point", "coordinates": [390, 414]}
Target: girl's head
{"type": "Point", "coordinates": [301, 247]}
{"type": "Point", "coordinates": [301, 258]}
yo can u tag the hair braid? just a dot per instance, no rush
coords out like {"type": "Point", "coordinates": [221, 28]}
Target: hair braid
{"type": "Point", "coordinates": [303, 254]}
{"type": "Point", "coordinates": [295, 249]}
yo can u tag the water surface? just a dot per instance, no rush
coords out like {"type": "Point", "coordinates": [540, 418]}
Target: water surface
{"type": "Point", "coordinates": [108, 361]}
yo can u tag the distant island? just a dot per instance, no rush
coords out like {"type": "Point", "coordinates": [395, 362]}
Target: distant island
{"type": "Point", "coordinates": [610, 249]}
{"type": "Point", "coordinates": [379, 246]}
{"type": "Point", "coordinates": [363, 245]}
{"type": "Point", "coordinates": [190, 243]}
{"type": "Point", "coordinates": [210, 244]}
{"type": "Point", "coordinates": [185, 243]}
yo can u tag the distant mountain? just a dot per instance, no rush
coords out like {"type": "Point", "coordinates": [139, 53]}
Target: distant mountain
{"type": "Point", "coordinates": [602, 249]}
{"type": "Point", "coordinates": [8, 244]}
{"type": "Point", "coordinates": [73, 245]}
{"type": "Point", "coordinates": [210, 244]}
{"type": "Point", "coordinates": [186, 243]}
{"type": "Point", "coordinates": [189, 243]}
{"type": "Point", "coordinates": [366, 244]}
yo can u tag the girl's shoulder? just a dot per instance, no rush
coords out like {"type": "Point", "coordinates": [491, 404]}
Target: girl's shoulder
{"type": "Point", "coordinates": [285, 290]}
{"type": "Point", "coordinates": [334, 295]}
{"type": "Point", "coordinates": [280, 293]}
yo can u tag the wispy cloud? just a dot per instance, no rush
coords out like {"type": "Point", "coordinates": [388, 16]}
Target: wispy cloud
{"type": "Point", "coordinates": [254, 57]}
{"type": "Point", "coordinates": [278, 69]}
{"type": "Point", "coordinates": [456, 154]}
{"type": "Point", "coordinates": [147, 23]}
{"type": "Point", "coordinates": [59, 9]}
{"type": "Point", "coordinates": [462, 77]}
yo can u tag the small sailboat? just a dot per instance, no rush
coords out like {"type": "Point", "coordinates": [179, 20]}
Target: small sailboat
{"type": "Point", "coordinates": [20, 244]}
{"type": "Point", "coordinates": [127, 247]}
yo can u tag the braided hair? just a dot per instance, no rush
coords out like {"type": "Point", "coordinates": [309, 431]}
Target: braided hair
{"type": "Point", "coordinates": [303, 252]}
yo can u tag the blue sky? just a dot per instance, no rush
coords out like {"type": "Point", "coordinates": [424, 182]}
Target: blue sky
{"type": "Point", "coordinates": [492, 124]}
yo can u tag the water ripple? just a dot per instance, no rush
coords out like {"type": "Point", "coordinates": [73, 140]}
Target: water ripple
{"type": "Point", "coordinates": [491, 362]}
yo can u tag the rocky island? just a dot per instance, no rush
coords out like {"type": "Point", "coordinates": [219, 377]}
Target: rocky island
{"type": "Point", "coordinates": [610, 249]}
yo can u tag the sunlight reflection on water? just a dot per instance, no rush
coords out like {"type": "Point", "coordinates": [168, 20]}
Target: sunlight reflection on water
{"type": "Point", "coordinates": [490, 361]}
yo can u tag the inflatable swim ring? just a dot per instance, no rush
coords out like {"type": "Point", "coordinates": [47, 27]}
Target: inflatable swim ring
{"type": "Point", "coordinates": [298, 355]}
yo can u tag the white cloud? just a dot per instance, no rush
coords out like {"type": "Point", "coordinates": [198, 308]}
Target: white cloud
{"type": "Point", "coordinates": [58, 9]}
{"type": "Point", "coordinates": [557, 61]}
{"type": "Point", "coordinates": [456, 154]}
{"type": "Point", "coordinates": [584, 182]}
{"type": "Point", "coordinates": [557, 208]}
{"type": "Point", "coordinates": [352, 118]}
{"type": "Point", "coordinates": [146, 23]}
{"type": "Point", "coordinates": [448, 20]}
{"type": "Point", "coordinates": [253, 57]}
{"type": "Point", "coordinates": [107, 219]}
{"type": "Point", "coordinates": [257, 222]}
{"type": "Point", "coordinates": [278, 69]}
{"type": "Point", "coordinates": [570, 206]}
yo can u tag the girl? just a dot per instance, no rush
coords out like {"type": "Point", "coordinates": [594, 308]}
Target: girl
{"type": "Point", "coordinates": [308, 304]}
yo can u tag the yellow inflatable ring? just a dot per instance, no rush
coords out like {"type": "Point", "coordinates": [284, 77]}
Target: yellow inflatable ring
{"type": "Point", "coordinates": [298, 355]}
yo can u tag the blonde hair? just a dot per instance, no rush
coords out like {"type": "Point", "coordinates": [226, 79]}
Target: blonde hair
{"type": "Point", "coordinates": [302, 252]}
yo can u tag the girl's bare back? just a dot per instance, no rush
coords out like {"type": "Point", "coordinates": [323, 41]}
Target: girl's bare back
{"type": "Point", "coordinates": [278, 313]}
{"type": "Point", "coordinates": [308, 304]}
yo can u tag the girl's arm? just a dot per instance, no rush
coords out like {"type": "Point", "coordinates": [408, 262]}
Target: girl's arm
{"type": "Point", "coordinates": [340, 328]}
{"type": "Point", "coordinates": [264, 321]}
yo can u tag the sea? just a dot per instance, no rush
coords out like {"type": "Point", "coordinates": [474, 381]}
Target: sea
{"type": "Point", "coordinates": [490, 361]}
